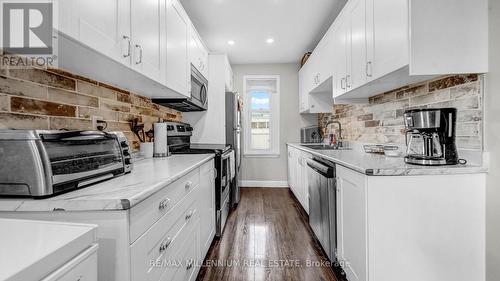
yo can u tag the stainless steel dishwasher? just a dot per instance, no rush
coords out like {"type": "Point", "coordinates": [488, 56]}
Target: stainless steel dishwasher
{"type": "Point", "coordinates": [322, 203]}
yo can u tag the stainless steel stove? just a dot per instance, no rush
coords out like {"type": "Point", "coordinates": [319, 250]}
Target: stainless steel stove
{"type": "Point", "coordinates": [179, 142]}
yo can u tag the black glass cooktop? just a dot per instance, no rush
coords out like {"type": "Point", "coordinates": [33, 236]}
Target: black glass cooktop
{"type": "Point", "coordinates": [203, 148]}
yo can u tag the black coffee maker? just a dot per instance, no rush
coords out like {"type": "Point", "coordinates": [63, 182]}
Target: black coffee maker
{"type": "Point", "coordinates": [430, 136]}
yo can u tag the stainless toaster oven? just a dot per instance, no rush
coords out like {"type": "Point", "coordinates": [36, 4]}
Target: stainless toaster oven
{"type": "Point", "coordinates": [44, 163]}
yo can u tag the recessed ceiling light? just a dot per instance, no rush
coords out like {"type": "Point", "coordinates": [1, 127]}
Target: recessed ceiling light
{"type": "Point", "coordinates": [231, 42]}
{"type": "Point", "coordinates": [270, 40]}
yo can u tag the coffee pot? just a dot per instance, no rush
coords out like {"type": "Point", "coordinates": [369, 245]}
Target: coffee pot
{"type": "Point", "coordinates": [430, 136]}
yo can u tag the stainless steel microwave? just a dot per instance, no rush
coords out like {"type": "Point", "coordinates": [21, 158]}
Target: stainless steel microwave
{"type": "Point", "coordinates": [198, 100]}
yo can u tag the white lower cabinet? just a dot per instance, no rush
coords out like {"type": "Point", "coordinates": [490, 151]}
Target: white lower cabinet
{"type": "Point", "coordinates": [207, 204]}
{"type": "Point", "coordinates": [351, 223]}
{"type": "Point", "coordinates": [412, 228]}
{"type": "Point", "coordinates": [174, 246]}
{"type": "Point", "coordinates": [297, 175]}
{"type": "Point", "coordinates": [164, 237]}
{"type": "Point", "coordinates": [82, 267]}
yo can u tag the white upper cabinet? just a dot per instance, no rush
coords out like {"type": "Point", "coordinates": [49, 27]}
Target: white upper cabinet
{"type": "Point", "coordinates": [305, 85]}
{"type": "Point", "coordinates": [339, 64]}
{"type": "Point", "coordinates": [356, 60]}
{"type": "Point", "coordinates": [321, 60]}
{"type": "Point", "coordinates": [198, 53]}
{"type": "Point", "coordinates": [387, 34]}
{"type": "Point", "coordinates": [106, 29]}
{"type": "Point", "coordinates": [315, 78]}
{"type": "Point", "coordinates": [177, 74]}
{"type": "Point", "coordinates": [154, 40]}
{"type": "Point", "coordinates": [448, 37]}
{"type": "Point", "coordinates": [148, 38]}
{"type": "Point", "coordinates": [380, 45]}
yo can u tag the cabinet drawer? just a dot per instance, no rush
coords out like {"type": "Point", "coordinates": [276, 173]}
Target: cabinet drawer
{"type": "Point", "coordinates": [145, 214]}
{"type": "Point", "coordinates": [82, 267]}
{"type": "Point", "coordinates": [151, 253]}
{"type": "Point", "coordinates": [184, 262]}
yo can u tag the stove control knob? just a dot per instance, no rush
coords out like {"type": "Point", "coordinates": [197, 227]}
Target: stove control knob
{"type": "Point", "coordinates": [128, 161]}
{"type": "Point", "coordinates": [124, 144]}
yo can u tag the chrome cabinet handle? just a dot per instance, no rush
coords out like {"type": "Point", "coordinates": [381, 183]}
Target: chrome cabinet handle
{"type": "Point", "coordinates": [140, 54]}
{"type": "Point", "coordinates": [342, 82]}
{"type": "Point", "coordinates": [215, 173]}
{"type": "Point", "coordinates": [319, 78]}
{"type": "Point", "coordinates": [190, 265]}
{"type": "Point", "coordinates": [163, 204]}
{"type": "Point", "coordinates": [164, 245]}
{"type": "Point", "coordinates": [188, 185]}
{"type": "Point", "coordinates": [189, 215]}
{"type": "Point", "coordinates": [347, 79]}
{"type": "Point", "coordinates": [125, 37]}
{"type": "Point", "coordinates": [369, 69]}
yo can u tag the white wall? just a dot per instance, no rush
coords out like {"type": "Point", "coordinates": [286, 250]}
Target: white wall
{"type": "Point", "coordinates": [275, 169]}
{"type": "Point", "coordinates": [492, 139]}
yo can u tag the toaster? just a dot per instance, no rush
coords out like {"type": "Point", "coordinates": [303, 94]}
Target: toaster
{"type": "Point", "coordinates": [37, 163]}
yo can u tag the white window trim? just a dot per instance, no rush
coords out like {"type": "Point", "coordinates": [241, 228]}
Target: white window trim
{"type": "Point", "coordinates": [275, 120]}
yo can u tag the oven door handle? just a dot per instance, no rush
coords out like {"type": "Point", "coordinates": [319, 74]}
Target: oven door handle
{"type": "Point", "coordinates": [226, 156]}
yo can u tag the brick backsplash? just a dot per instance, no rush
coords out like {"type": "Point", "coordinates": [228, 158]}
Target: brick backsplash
{"type": "Point", "coordinates": [381, 120]}
{"type": "Point", "coordinates": [55, 99]}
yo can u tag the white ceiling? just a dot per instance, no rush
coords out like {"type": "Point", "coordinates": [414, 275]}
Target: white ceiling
{"type": "Point", "coordinates": [296, 26]}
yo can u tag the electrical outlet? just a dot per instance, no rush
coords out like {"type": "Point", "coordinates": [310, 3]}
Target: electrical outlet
{"type": "Point", "coordinates": [94, 121]}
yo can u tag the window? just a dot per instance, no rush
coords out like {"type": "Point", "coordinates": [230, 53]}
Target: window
{"type": "Point", "coordinates": [261, 115]}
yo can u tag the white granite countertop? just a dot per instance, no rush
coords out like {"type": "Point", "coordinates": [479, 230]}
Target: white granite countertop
{"type": "Point", "coordinates": [121, 193]}
{"type": "Point", "coordinates": [380, 165]}
{"type": "Point", "coordinates": [30, 252]}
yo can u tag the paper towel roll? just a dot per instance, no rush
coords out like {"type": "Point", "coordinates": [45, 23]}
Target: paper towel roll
{"type": "Point", "coordinates": [161, 145]}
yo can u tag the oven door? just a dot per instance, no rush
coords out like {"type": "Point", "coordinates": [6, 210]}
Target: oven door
{"type": "Point", "coordinates": [225, 172]}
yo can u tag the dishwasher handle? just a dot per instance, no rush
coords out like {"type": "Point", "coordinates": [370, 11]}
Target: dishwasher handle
{"type": "Point", "coordinates": [320, 168]}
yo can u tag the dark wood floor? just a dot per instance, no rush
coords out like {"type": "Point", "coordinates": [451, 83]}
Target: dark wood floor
{"type": "Point", "coordinates": [266, 238]}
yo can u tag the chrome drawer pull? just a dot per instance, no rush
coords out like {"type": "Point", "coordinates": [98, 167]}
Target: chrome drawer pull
{"type": "Point", "coordinates": [188, 184]}
{"type": "Point", "coordinates": [190, 265]}
{"type": "Point", "coordinates": [163, 204]}
{"type": "Point", "coordinates": [189, 215]}
{"type": "Point", "coordinates": [164, 245]}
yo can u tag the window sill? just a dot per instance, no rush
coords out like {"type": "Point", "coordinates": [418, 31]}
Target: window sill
{"type": "Point", "coordinates": [270, 155]}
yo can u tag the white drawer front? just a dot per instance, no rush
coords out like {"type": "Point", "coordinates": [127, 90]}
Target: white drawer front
{"type": "Point", "coordinates": [164, 239]}
{"type": "Point", "coordinates": [185, 267]}
{"type": "Point", "coordinates": [81, 268]}
{"type": "Point", "coordinates": [144, 215]}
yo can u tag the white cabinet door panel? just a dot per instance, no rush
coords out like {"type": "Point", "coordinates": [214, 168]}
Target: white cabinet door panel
{"type": "Point", "coordinates": [340, 43]}
{"type": "Point", "coordinates": [352, 223]}
{"type": "Point", "coordinates": [390, 36]}
{"type": "Point", "coordinates": [105, 29]}
{"type": "Point", "coordinates": [357, 34]}
{"type": "Point", "coordinates": [207, 206]}
{"type": "Point", "coordinates": [148, 38]}
{"type": "Point", "coordinates": [177, 49]}
{"type": "Point", "coordinates": [448, 36]}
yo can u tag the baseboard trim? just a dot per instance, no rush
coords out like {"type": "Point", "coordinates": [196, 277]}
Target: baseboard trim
{"type": "Point", "coordinates": [275, 184]}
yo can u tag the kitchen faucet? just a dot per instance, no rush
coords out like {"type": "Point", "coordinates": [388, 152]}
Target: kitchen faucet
{"type": "Point", "coordinates": [339, 141]}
